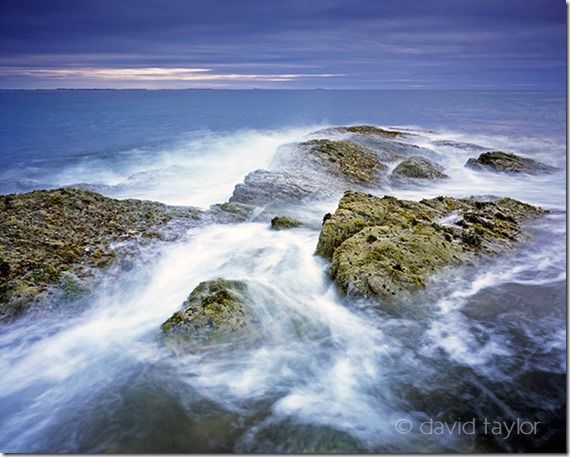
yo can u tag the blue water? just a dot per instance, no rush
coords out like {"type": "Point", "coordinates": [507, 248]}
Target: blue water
{"type": "Point", "coordinates": [36, 125]}
{"type": "Point", "coordinates": [331, 373]}
{"type": "Point", "coordinates": [55, 138]}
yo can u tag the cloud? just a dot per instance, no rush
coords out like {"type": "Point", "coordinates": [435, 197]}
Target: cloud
{"type": "Point", "coordinates": [293, 43]}
{"type": "Point", "coordinates": [152, 74]}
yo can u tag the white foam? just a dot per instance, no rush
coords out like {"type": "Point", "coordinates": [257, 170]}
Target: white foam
{"type": "Point", "coordinates": [199, 170]}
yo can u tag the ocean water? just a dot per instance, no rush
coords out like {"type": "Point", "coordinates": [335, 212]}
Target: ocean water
{"type": "Point", "coordinates": [154, 139]}
{"type": "Point", "coordinates": [332, 374]}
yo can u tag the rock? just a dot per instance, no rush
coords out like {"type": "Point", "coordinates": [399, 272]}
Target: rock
{"type": "Point", "coordinates": [263, 187]}
{"type": "Point", "coordinates": [388, 247]}
{"type": "Point", "coordinates": [52, 239]}
{"type": "Point", "coordinates": [284, 222]}
{"type": "Point", "coordinates": [418, 168]}
{"type": "Point", "coordinates": [388, 150]}
{"type": "Point", "coordinates": [231, 212]}
{"type": "Point", "coordinates": [387, 145]}
{"type": "Point", "coordinates": [372, 130]}
{"type": "Point", "coordinates": [348, 160]}
{"type": "Point", "coordinates": [460, 145]}
{"type": "Point", "coordinates": [499, 161]}
{"type": "Point", "coordinates": [215, 311]}
{"type": "Point", "coordinates": [361, 130]}
{"type": "Point", "coordinates": [16, 296]}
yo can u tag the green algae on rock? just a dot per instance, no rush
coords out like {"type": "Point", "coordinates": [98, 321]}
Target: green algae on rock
{"type": "Point", "coordinates": [284, 222]}
{"type": "Point", "coordinates": [351, 161]}
{"type": "Point", "coordinates": [214, 311]}
{"type": "Point", "coordinates": [499, 161]}
{"type": "Point", "coordinates": [54, 238]}
{"type": "Point", "coordinates": [389, 247]}
{"type": "Point", "coordinates": [418, 168]}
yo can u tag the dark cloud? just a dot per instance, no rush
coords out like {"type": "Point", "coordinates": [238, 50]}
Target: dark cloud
{"type": "Point", "coordinates": [504, 44]}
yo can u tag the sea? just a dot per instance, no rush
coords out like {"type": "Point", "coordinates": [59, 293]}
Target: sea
{"type": "Point", "coordinates": [480, 367]}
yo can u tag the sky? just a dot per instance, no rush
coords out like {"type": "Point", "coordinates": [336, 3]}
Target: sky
{"type": "Point", "coordinates": [284, 44]}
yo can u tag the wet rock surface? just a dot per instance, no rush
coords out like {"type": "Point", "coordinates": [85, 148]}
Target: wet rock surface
{"type": "Point", "coordinates": [230, 212]}
{"type": "Point", "coordinates": [284, 222]}
{"type": "Point", "coordinates": [348, 161]}
{"type": "Point", "coordinates": [56, 238]}
{"type": "Point", "coordinates": [498, 161]}
{"type": "Point", "coordinates": [460, 145]}
{"type": "Point", "coordinates": [371, 130]}
{"type": "Point", "coordinates": [388, 247]}
{"type": "Point", "coordinates": [418, 168]}
{"type": "Point", "coordinates": [263, 187]}
{"type": "Point", "coordinates": [352, 157]}
{"type": "Point", "coordinates": [215, 310]}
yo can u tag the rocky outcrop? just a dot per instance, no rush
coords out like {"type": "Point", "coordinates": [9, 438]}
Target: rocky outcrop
{"type": "Point", "coordinates": [324, 168]}
{"type": "Point", "coordinates": [388, 247]}
{"type": "Point", "coordinates": [214, 311]}
{"type": "Point", "coordinates": [372, 130]}
{"type": "Point", "coordinates": [361, 130]}
{"type": "Point", "coordinates": [230, 212]}
{"type": "Point", "coordinates": [418, 168]}
{"type": "Point", "coordinates": [263, 187]}
{"type": "Point", "coordinates": [284, 222]}
{"type": "Point", "coordinates": [387, 145]}
{"type": "Point", "coordinates": [311, 170]}
{"type": "Point", "coordinates": [498, 161]}
{"type": "Point", "coordinates": [350, 161]}
{"type": "Point", "coordinates": [49, 239]}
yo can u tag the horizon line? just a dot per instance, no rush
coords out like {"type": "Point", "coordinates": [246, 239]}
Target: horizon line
{"type": "Point", "coordinates": [562, 89]}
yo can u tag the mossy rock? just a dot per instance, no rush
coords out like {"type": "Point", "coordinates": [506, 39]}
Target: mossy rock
{"type": "Point", "coordinates": [499, 161]}
{"type": "Point", "coordinates": [231, 212]}
{"type": "Point", "coordinates": [418, 168]}
{"type": "Point", "coordinates": [72, 286]}
{"type": "Point", "coordinates": [48, 232]}
{"type": "Point", "coordinates": [351, 161]}
{"type": "Point", "coordinates": [215, 311]}
{"type": "Point", "coordinates": [284, 222]}
{"type": "Point", "coordinates": [389, 247]}
{"type": "Point", "coordinates": [20, 295]}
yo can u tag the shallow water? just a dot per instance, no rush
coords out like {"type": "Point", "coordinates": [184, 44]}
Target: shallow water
{"type": "Point", "coordinates": [325, 373]}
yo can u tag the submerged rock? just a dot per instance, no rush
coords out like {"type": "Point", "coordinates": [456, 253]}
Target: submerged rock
{"type": "Point", "coordinates": [418, 168]}
{"type": "Point", "coordinates": [215, 310]}
{"type": "Point", "coordinates": [389, 247]}
{"type": "Point", "coordinates": [460, 145]}
{"type": "Point", "coordinates": [53, 239]}
{"type": "Point", "coordinates": [284, 222]}
{"type": "Point", "coordinates": [499, 161]}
